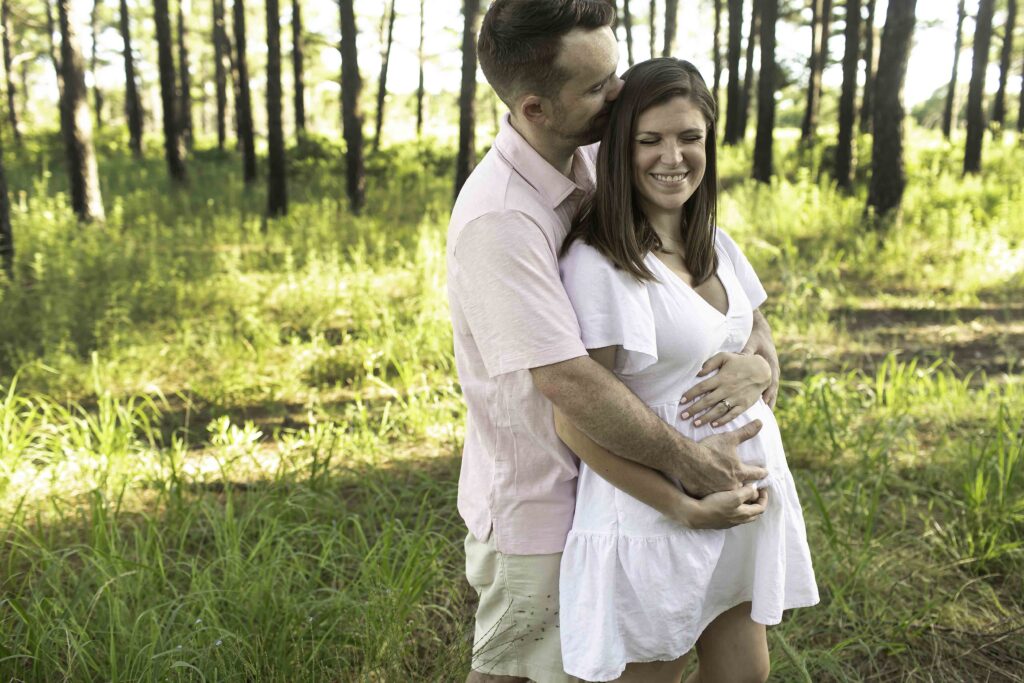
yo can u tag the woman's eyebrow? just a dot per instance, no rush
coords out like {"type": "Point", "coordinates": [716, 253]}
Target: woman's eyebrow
{"type": "Point", "coordinates": [688, 131]}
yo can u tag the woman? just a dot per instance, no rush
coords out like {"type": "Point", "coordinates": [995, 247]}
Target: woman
{"type": "Point", "coordinates": [658, 289]}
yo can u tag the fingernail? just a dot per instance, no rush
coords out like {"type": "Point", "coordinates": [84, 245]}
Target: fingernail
{"type": "Point", "coordinates": [714, 424]}
{"type": "Point", "coordinates": [696, 423]}
{"type": "Point", "coordinates": [685, 415]}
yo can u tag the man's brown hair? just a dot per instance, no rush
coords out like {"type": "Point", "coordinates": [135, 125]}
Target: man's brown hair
{"type": "Point", "coordinates": [520, 39]}
{"type": "Point", "coordinates": [612, 220]}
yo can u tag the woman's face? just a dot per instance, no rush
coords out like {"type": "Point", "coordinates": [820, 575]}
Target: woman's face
{"type": "Point", "coordinates": [668, 156]}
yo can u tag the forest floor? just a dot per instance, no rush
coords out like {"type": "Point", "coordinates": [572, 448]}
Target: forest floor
{"type": "Point", "coordinates": [229, 449]}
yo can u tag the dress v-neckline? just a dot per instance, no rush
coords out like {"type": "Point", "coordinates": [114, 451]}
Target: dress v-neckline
{"type": "Point", "coordinates": [690, 289]}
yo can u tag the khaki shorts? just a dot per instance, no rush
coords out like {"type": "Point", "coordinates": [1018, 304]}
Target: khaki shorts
{"type": "Point", "coordinates": [517, 619]}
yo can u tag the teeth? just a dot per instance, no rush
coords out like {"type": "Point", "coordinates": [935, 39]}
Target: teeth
{"type": "Point", "coordinates": [669, 178]}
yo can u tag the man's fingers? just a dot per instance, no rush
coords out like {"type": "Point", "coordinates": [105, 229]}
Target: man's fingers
{"type": "Point", "coordinates": [751, 473]}
{"type": "Point", "coordinates": [747, 432]}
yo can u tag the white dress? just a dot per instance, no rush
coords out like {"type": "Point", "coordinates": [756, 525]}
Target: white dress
{"type": "Point", "coordinates": [636, 586]}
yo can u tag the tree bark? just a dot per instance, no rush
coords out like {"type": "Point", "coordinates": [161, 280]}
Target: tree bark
{"type": "Point", "coordinates": [246, 134]}
{"type": "Point", "coordinates": [220, 53]}
{"type": "Point", "coordinates": [732, 112]}
{"type": "Point", "coordinates": [1020, 103]}
{"type": "Point", "coordinates": [82, 169]}
{"type": "Point", "coordinates": [185, 105]}
{"type": "Point", "coordinates": [976, 91]}
{"type": "Point", "coordinates": [627, 25]}
{"type": "Point", "coordinates": [297, 69]}
{"type": "Point", "coordinates": [132, 104]}
{"type": "Point", "coordinates": [97, 95]}
{"type": "Point", "coordinates": [748, 75]}
{"type": "Point", "coordinates": [949, 110]}
{"type": "Point", "coordinates": [5, 30]}
{"type": "Point", "coordinates": [1005, 54]}
{"type": "Point", "coordinates": [652, 25]}
{"type": "Point", "coordinates": [351, 112]}
{"type": "Point", "coordinates": [420, 83]}
{"type": "Point", "coordinates": [277, 190]}
{"type": "Point", "coordinates": [382, 81]}
{"type": "Point", "coordinates": [716, 57]}
{"type": "Point", "coordinates": [65, 126]}
{"type": "Point", "coordinates": [6, 233]}
{"type": "Point", "coordinates": [888, 176]}
{"type": "Point", "coordinates": [820, 25]}
{"type": "Point", "coordinates": [671, 21]}
{"type": "Point", "coordinates": [766, 93]}
{"type": "Point", "coordinates": [847, 99]}
{"type": "Point", "coordinates": [173, 152]}
{"type": "Point", "coordinates": [870, 64]}
{"type": "Point", "coordinates": [467, 96]}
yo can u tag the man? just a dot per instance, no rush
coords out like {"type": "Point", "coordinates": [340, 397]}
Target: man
{"type": "Point", "coordinates": [517, 342]}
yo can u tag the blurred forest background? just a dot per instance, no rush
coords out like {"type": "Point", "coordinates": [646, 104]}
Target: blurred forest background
{"type": "Point", "coordinates": [230, 424]}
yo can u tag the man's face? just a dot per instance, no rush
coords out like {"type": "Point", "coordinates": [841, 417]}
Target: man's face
{"type": "Point", "coordinates": [579, 112]}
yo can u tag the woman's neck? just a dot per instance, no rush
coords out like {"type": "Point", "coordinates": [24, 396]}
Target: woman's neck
{"type": "Point", "coordinates": [667, 226]}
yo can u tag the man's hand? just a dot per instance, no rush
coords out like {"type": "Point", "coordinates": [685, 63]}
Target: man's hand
{"type": "Point", "coordinates": [741, 380]}
{"type": "Point", "coordinates": [762, 344]}
{"type": "Point", "coordinates": [716, 465]}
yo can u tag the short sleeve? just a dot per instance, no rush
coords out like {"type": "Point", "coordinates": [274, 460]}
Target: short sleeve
{"type": "Point", "coordinates": [613, 308]}
{"type": "Point", "coordinates": [504, 274]}
{"type": "Point", "coordinates": [748, 279]}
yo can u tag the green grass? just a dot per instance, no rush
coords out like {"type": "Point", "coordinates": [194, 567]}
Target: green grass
{"type": "Point", "coordinates": [229, 448]}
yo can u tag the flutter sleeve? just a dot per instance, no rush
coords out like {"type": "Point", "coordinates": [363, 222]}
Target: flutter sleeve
{"type": "Point", "coordinates": [613, 308]}
{"type": "Point", "coordinates": [745, 273]}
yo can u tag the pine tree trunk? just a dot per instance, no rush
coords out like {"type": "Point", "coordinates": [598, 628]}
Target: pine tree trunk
{"type": "Point", "coordinates": [65, 126]}
{"type": "Point", "coordinates": [277, 190]}
{"type": "Point", "coordinates": [351, 113]}
{"type": "Point", "coordinates": [6, 233]}
{"type": "Point", "coordinates": [732, 112]}
{"type": "Point", "coordinates": [820, 27]}
{"type": "Point", "coordinates": [132, 104]}
{"type": "Point", "coordinates": [976, 91]}
{"type": "Point", "coordinates": [220, 53]}
{"type": "Point", "coordinates": [652, 25]}
{"type": "Point", "coordinates": [185, 106]}
{"type": "Point", "coordinates": [888, 176]}
{"type": "Point", "coordinates": [848, 97]}
{"type": "Point", "coordinates": [467, 96]}
{"type": "Point", "coordinates": [870, 67]}
{"type": "Point", "coordinates": [97, 95]}
{"type": "Point", "coordinates": [297, 70]}
{"type": "Point", "coordinates": [1005, 54]}
{"type": "Point", "coordinates": [82, 168]}
{"type": "Point", "coordinates": [949, 110]}
{"type": "Point", "coordinates": [382, 81]}
{"type": "Point", "coordinates": [5, 29]}
{"type": "Point", "coordinates": [627, 24]}
{"type": "Point", "coordinates": [716, 58]}
{"type": "Point", "coordinates": [246, 134]}
{"type": "Point", "coordinates": [1020, 103]}
{"type": "Point", "coordinates": [420, 83]}
{"type": "Point", "coordinates": [766, 93]}
{"type": "Point", "coordinates": [173, 151]}
{"type": "Point", "coordinates": [671, 20]}
{"type": "Point", "coordinates": [748, 75]}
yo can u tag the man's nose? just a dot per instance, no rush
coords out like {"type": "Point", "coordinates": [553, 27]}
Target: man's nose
{"type": "Point", "coordinates": [613, 92]}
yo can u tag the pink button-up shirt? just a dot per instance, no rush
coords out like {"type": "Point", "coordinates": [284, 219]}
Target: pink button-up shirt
{"type": "Point", "coordinates": [509, 314]}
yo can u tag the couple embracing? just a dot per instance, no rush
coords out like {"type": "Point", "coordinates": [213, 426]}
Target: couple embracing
{"type": "Point", "coordinates": [623, 478]}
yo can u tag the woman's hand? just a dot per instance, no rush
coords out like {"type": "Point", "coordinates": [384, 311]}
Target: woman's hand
{"type": "Point", "coordinates": [725, 509]}
{"type": "Point", "coordinates": [740, 381]}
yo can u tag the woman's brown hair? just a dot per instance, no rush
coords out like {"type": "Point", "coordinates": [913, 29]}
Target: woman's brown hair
{"type": "Point", "coordinates": [611, 220]}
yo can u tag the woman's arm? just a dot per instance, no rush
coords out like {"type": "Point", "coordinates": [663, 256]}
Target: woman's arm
{"type": "Point", "coordinates": [716, 511]}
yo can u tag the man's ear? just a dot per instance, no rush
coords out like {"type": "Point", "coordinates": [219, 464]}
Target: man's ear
{"type": "Point", "coordinates": [534, 109]}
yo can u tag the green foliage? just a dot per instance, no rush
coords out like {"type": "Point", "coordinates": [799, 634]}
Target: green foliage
{"type": "Point", "coordinates": [228, 447]}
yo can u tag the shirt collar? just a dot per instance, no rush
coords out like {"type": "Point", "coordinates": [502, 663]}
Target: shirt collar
{"type": "Point", "coordinates": [554, 187]}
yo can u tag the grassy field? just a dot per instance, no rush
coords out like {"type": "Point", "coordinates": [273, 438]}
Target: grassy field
{"type": "Point", "coordinates": [229, 448]}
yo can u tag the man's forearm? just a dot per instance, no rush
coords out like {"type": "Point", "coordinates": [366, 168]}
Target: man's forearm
{"type": "Point", "coordinates": [604, 409]}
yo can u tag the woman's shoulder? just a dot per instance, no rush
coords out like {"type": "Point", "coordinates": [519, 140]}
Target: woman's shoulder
{"type": "Point", "coordinates": [581, 255]}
